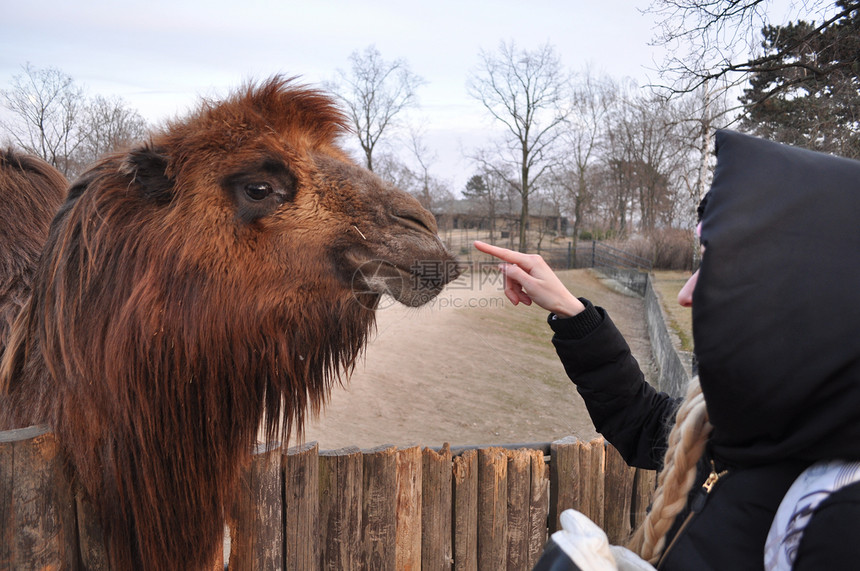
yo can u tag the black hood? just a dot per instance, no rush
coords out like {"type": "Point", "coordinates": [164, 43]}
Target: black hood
{"type": "Point", "coordinates": [776, 311]}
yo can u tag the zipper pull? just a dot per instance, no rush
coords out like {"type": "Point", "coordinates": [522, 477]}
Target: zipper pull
{"type": "Point", "coordinates": [711, 481]}
{"type": "Point", "coordinates": [713, 477]}
{"type": "Point", "coordinates": [696, 506]}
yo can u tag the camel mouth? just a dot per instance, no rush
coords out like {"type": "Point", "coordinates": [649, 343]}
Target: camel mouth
{"type": "Point", "coordinates": [413, 287]}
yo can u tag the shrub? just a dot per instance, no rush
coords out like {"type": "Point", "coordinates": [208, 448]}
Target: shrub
{"type": "Point", "coordinates": [666, 248]}
{"type": "Point", "coordinates": [673, 248]}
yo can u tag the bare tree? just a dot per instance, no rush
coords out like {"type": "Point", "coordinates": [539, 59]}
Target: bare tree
{"type": "Point", "coordinates": [425, 159]}
{"type": "Point", "coordinates": [644, 158]}
{"type": "Point", "coordinates": [656, 155]}
{"type": "Point", "coordinates": [375, 93]}
{"type": "Point", "coordinates": [108, 124]}
{"type": "Point", "coordinates": [389, 167]}
{"type": "Point", "coordinates": [592, 100]}
{"type": "Point", "coordinates": [45, 105]}
{"type": "Point", "coordinates": [53, 118]}
{"type": "Point", "coordinates": [418, 181]}
{"type": "Point", "coordinates": [525, 92]}
{"type": "Point", "coordinates": [547, 210]}
{"type": "Point", "coordinates": [700, 114]}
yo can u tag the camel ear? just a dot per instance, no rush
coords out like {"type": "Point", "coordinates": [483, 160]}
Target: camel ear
{"type": "Point", "coordinates": [148, 168]}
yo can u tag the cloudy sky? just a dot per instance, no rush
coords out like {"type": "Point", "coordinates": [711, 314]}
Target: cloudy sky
{"type": "Point", "coordinates": [161, 56]}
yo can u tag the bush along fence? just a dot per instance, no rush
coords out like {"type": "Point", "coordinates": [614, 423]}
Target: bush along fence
{"type": "Point", "coordinates": [385, 508]}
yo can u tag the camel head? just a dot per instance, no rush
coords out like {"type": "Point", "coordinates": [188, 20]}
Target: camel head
{"type": "Point", "coordinates": [265, 172]}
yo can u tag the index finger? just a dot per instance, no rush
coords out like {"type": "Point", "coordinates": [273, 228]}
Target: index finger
{"type": "Point", "coordinates": [510, 256]}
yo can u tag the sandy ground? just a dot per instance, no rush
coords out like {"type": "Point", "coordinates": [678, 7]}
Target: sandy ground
{"type": "Point", "coordinates": [468, 368]}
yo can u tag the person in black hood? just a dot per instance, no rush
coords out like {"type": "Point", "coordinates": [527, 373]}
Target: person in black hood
{"type": "Point", "coordinates": [776, 325]}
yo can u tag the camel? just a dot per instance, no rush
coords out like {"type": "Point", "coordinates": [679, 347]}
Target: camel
{"type": "Point", "coordinates": [31, 191]}
{"type": "Point", "coordinates": [226, 271]}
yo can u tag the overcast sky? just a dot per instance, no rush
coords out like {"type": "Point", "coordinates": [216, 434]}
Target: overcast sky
{"type": "Point", "coordinates": [161, 56]}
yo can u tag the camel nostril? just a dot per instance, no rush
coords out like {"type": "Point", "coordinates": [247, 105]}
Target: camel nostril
{"type": "Point", "coordinates": [417, 221]}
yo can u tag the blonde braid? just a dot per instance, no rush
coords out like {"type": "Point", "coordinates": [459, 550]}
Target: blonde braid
{"type": "Point", "coordinates": [686, 445]}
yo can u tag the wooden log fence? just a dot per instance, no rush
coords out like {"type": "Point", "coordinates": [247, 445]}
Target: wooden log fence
{"type": "Point", "coordinates": [484, 508]}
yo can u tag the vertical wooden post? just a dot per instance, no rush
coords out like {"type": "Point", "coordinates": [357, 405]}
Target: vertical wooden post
{"type": "Point", "coordinates": [37, 506]}
{"type": "Point", "coordinates": [378, 509]}
{"type": "Point", "coordinates": [564, 481]}
{"type": "Point", "coordinates": [644, 485]}
{"type": "Point", "coordinates": [492, 509]}
{"type": "Point", "coordinates": [301, 507]}
{"type": "Point", "coordinates": [618, 499]}
{"type": "Point", "coordinates": [519, 484]}
{"type": "Point", "coordinates": [340, 508]}
{"type": "Point", "coordinates": [465, 484]}
{"type": "Point", "coordinates": [538, 506]}
{"type": "Point", "coordinates": [591, 479]}
{"type": "Point", "coordinates": [408, 547]}
{"type": "Point", "coordinates": [436, 550]}
{"type": "Point", "coordinates": [256, 530]}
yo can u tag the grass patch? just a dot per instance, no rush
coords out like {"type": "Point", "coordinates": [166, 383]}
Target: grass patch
{"type": "Point", "coordinates": [527, 323]}
{"type": "Point", "coordinates": [667, 284]}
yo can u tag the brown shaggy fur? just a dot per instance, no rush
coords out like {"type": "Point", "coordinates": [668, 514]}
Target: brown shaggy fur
{"type": "Point", "coordinates": [219, 275]}
{"type": "Point", "coordinates": [31, 191]}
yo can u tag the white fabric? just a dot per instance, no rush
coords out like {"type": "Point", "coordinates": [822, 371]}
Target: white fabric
{"type": "Point", "coordinates": [799, 504]}
{"type": "Point", "coordinates": [629, 561]}
{"type": "Point", "coordinates": [587, 546]}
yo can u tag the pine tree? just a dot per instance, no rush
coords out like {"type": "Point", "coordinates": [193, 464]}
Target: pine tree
{"type": "Point", "coordinates": [808, 92]}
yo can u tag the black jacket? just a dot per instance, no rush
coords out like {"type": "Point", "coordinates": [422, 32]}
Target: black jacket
{"type": "Point", "coordinates": [730, 527]}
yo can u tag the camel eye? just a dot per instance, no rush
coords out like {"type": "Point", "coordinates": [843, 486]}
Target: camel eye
{"type": "Point", "coordinates": [258, 190]}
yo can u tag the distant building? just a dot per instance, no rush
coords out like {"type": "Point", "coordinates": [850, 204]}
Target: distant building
{"type": "Point", "coordinates": [472, 214]}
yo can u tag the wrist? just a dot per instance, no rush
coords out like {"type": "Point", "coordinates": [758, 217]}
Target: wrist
{"type": "Point", "coordinates": [569, 307]}
{"type": "Point", "coordinates": [578, 326]}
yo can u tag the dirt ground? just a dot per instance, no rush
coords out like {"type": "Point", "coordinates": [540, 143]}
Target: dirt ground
{"type": "Point", "coordinates": [469, 368]}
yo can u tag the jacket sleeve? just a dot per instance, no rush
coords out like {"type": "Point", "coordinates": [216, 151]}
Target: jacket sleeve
{"type": "Point", "coordinates": [624, 408]}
